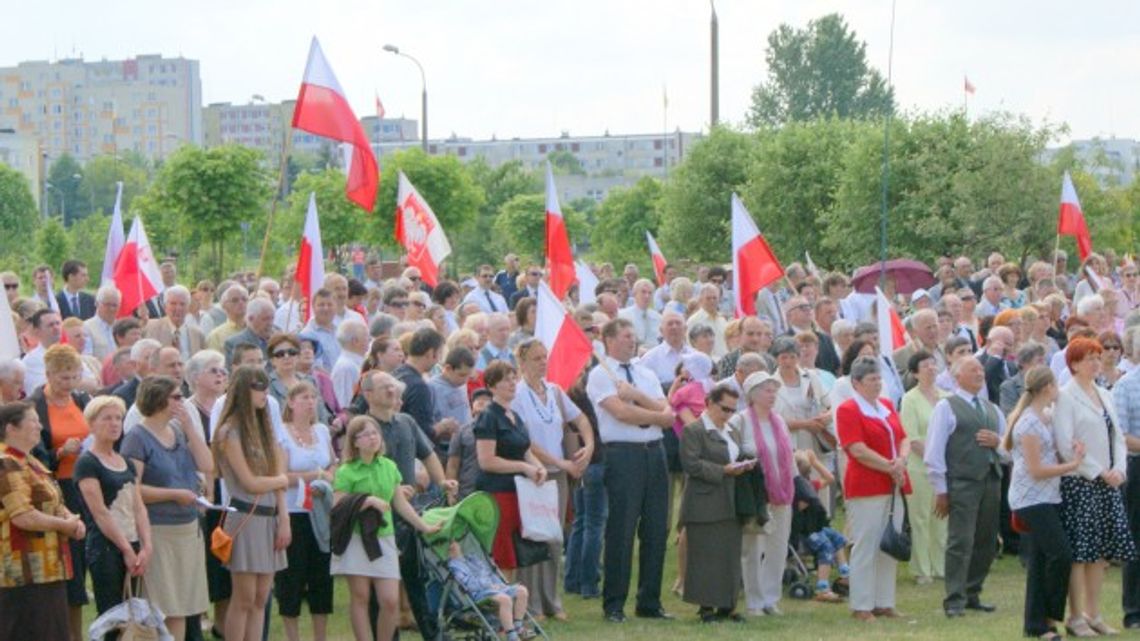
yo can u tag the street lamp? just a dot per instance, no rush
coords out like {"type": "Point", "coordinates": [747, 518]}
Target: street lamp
{"type": "Point", "coordinates": [423, 78]}
{"type": "Point", "coordinates": [90, 192]}
{"type": "Point", "coordinates": [62, 200]}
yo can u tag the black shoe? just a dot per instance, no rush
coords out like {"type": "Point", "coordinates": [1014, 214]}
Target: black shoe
{"type": "Point", "coordinates": [980, 607]}
{"type": "Point", "coordinates": [707, 615]}
{"type": "Point", "coordinates": [657, 613]}
{"type": "Point", "coordinates": [955, 612]}
{"type": "Point", "coordinates": [1133, 624]}
{"type": "Point", "coordinates": [216, 633]}
{"type": "Point", "coordinates": [617, 616]}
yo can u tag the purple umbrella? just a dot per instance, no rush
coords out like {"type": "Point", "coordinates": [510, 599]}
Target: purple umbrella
{"type": "Point", "coordinates": [908, 275]}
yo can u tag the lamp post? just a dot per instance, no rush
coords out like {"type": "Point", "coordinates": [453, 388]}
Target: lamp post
{"type": "Point", "coordinates": [62, 200]}
{"type": "Point", "coordinates": [423, 78]}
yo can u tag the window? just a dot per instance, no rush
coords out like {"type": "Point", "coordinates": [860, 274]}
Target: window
{"type": "Point", "coordinates": [462, 151]}
{"type": "Point", "coordinates": [542, 149]}
{"type": "Point", "coordinates": [575, 147]}
{"type": "Point", "coordinates": [150, 113]}
{"type": "Point", "coordinates": [657, 145]}
{"type": "Point", "coordinates": [152, 130]}
{"type": "Point", "coordinates": [658, 162]}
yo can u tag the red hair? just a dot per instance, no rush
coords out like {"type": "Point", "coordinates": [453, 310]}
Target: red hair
{"type": "Point", "coordinates": [1005, 317]}
{"type": "Point", "coordinates": [1081, 348]}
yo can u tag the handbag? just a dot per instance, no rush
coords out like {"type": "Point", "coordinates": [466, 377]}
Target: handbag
{"type": "Point", "coordinates": [529, 552]}
{"type": "Point", "coordinates": [134, 628]}
{"type": "Point", "coordinates": [896, 543]}
{"type": "Point", "coordinates": [222, 542]}
{"type": "Point", "coordinates": [538, 510]}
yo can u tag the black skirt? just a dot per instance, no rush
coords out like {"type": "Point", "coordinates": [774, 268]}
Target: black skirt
{"type": "Point", "coordinates": [1092, 513]}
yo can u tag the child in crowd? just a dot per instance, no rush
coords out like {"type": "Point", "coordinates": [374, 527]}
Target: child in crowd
{"type": "Point", "coordinates": [811, 525]}
{"type": "Point", "coordinates": [478, 578]}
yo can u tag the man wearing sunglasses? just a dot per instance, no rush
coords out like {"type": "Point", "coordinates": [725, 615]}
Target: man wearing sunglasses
{"type": "Point", "coordinates": [487, 299]}
{"type": "Point", "coordinates": [530, 288]}
{"type": "Point", "coordinates": [11, 287]}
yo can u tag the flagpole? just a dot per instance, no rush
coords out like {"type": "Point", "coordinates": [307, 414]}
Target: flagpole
{"type": "Point", "coordinates": [1056, 248]}
{"type": "Point", "coordinates": [886, 159]}
{"type": "Point", "coordinates": [286, 144]}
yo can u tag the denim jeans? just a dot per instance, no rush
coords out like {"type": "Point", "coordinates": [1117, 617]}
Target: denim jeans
{"type": "Point", "coordinates": [584, 550]}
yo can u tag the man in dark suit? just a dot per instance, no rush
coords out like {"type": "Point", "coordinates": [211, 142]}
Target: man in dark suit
{"type": "Point", "coordinates": [73, 301]}
{"type": "Point", "coordinates": [800, 316]}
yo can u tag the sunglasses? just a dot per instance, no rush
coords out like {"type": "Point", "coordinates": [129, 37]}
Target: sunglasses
{"type": "Point", "coordinates": [12, 286]}
{"type": "Point", "coordinates": [259, 386]}
{"type": "Point", "coordinates": [216, 371]}
{"type": "Point", "coordinates": [535, 274]}
{"type": "Point", "coordinates": [1126, 275]}
{"type": "Point", "coordinates": [286, 352]}
{"type": "Point", "coordinates": [400, 304]}
{"type": "Point", "coordinates": [1115, 347]}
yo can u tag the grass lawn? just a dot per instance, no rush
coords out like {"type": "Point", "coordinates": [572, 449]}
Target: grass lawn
{"type": "Point", "coordinates": [802, 620]}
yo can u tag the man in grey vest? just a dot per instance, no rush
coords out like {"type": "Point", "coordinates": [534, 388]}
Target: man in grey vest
{"type": "Point", "coordinates": [964, 466]}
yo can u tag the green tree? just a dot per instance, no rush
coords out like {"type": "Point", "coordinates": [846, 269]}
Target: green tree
{"type": "Point", "coordinates": [64, 197]}
{"type": "Point", "coordinates": [618, 233]}
{"type": "Point", "coordinates": [696, 205]}
{"type": "Point", "coordinates": [53, 246]}
{"type": "Point", "coordinates": [818, 72]}
{"type": "Point", "coordinates": [99, 185]}
{"type": "Point", "coordinates": [521, 227]}
{"type": "Point", "coordinates": [202, 197]}
{"type": "Point", "coordinates": [564, 162]}
{"type": "Point", "coordinates": [341, 221]}
{"type": "Point", "coordinates": [18, 218]}
{"type": "Point", "coordinates": [474, 244]}
{"type": "Point", "coordinates": [87, 238]}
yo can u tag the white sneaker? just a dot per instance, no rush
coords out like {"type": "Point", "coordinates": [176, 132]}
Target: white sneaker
{"type": "Point", "coordinates": [772, 611]}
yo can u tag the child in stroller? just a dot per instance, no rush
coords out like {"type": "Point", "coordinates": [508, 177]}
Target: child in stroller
{"type": "Point", "coordinates": [811, 527]}
{"type": "Point", "coordinates": [476, 576]}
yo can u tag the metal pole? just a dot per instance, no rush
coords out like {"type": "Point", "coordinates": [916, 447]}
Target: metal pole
{"type": "Point", "coordinates": [886, 162]}
{"type": "Point", "coordinates": [423, 114]}
{"type": "Point", "coordinates": [714, 75]}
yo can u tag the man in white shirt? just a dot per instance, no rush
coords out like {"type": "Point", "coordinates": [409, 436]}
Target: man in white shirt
{"type": "Point", "coordinates": [352, 335]}
{"type": "Point", "coordinates": [709, 314]}
{"type": "Point", "coordinates": [47, 327]}
{"type": "Point", "coordinates": [338, 285]}
{"type": "Point", "coordinates": [662, 360]}
{"type": "Point", "coordinates": [662, 295]}
{"type": "Point", "coordinates": [963, 462]}
{"type": "Point", "coordinates": [322, 327]}
{"type": "Point", "coordinates": [99, 327]}
{"type": "Point", "coordinates": [41, 281]}
{"type": "Point", "coordinates": [487, 299]}
{"type": "Point", "coordinates": [646, 321]}
{"type": "Point", "coordinates": [632, 411]}
{"type": "Point", "coordinates": [991, 302]}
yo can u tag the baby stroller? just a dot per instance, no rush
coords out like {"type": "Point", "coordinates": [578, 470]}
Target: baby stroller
{"type": "Point", "coordinates": [800, 579]}
{"type": "Point", "coordinates": [472, 523]}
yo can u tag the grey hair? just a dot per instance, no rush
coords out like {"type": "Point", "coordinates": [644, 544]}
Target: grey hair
{"type": "Point", "coordinates": [107, 292]}
{"type": "Point", "coordinates": [1088, 302]}
{"type": "Point", "coordinates": [709, 287]}
{"type": "Point", "coordinates": [700, 329]}
{"type": "Point", "coordinates": [177, 290]}
{"type": "Point", "coordinates": [382, 323]}
{"type": "Point", "coordinates": [1131, 341]}
{"type": "Point", "coordinates": [142, 347]}
{"type": "Point", "coordinates": [990, 281]}
{"type": "Point", "coordinates": [350, 329]}
{"type": "Point", "coordinates": [257, 306]}
{"type": "Point", "coordinates": [842, 326]}
{"type": "Point", "coordinates": [863, 367]}
{"type": "Point", "coordinates": [200, 362]}
{"type": "Point", "coordinates": [9, 368]}
{"type": "Point", "coordinates": [1028, 352]}
{"type": "Point", "coordinates": [751, 362]}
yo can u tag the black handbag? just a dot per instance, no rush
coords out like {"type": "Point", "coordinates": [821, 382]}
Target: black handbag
{"type": "Point", "coordinates": [529, 552]}
{"type": "Point", "coordinates": [896, 543]}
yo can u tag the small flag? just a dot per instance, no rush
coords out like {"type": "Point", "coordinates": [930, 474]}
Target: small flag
{"type": "Point", "coordinates": [754, 266]}
{"type": "Point", "coordinates": [419, 231]}
{"type": "Point", "coordinates": [115, 239]}
{"type": "Point", "coordinates": [658, 258]}
{"type": "Point", "coordinates": [559, 256]}
{"type": "Point", "coordinates": [136, 271]}
{"type": "Point", "coordinates": [968, 86]}
{"type": "Point", "coordinates": [568, 348]}
{"type": "Point", "coordinates": [310, 271]}
{"type": "Point", "coordinates": [1071, 220]}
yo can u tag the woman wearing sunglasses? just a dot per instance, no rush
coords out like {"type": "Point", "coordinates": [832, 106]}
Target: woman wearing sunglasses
{"type": "Point", "coordinates": [285, 372]}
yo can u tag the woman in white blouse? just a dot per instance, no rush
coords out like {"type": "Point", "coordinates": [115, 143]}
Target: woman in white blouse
{"type": "Point", "coordinates": [545, 409]}
{"type": "Point", "coordinates": [1092, 502]}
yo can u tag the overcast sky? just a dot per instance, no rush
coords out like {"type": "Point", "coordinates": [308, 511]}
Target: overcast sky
{"type": "Point", "coordinates": [525, 68]}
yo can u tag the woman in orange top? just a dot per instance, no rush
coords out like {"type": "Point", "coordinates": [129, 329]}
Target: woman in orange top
{"type": "Point", "coordinates": [59, 405]}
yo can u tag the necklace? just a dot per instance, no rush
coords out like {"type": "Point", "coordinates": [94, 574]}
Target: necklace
{"type": "Point", "coordinates": [545, 414]}
{"type": "Point", "coordinates": [303, 438]}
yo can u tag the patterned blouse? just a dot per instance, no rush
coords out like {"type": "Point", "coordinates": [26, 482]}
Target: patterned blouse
{"type": "Point", "coordinates": [29, 557]}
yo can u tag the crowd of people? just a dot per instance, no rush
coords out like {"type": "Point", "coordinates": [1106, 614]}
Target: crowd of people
{"type": "Point", "coordinates": [225, 444]}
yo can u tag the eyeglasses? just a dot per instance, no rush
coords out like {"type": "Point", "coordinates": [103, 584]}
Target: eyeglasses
{"type": "Point", "coordinates": [286, 352]}
{"type": "Point", "coordinates": [1125, 274]}
{"type": "Point", "coordinates": [11, 285]}
{"type": "Point", "coordinates": [486, 276]}
{"type": "Point", "coordinates": [418, 303]}
{"type": "Point", "coordinates": [535, 274]}
{"type": "Point", "coordinates": [1110, 346]}
{"type": "Point", "coordinates": [259, 386]}
{"type": "Point", "coordinates": [398, 304]}
{"type": "Point", "coordinates": [414, 278]}
{"type": "Point", "coordinates": [217, 371]}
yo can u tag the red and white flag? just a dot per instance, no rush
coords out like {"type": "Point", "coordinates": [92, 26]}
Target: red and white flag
{"type": "Point", "coordinates": [892, 332]}
{"type": "Point", "coordinates": [115, 239]}
{"type": "Point", "coordinates": [9, 341]}
{"type": "Point", "coordinates": [323, 109]}
{"type": "Point", "coordinates": [419, 231]}
{"type": "Point", "coordinates": [968, 86]}
{"type": "Point", "coordinates": [568, 348]}
{"type": "Point", "coordinates": [379, 107]}
{"type": "Point", "coordinates": [559, 256]}
{"type": "Point", "coordinates": [1071, 220]}
{"type": "Point", "coordinates": [136, 271]}
{"type": "Point", "coordinates": [754, 266]}
{"type": "Point", "coordinates": [659, 262]}
{"type": "Point", "coordinates": [310, 272]}
{"type": "Point", "coordinates": [587, 283]}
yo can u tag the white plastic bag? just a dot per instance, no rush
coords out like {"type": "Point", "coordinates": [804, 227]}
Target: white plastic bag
{"type": "Point", "coordinates": [538, 510]}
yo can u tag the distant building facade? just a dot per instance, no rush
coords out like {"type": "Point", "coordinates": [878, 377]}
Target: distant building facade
{"type": "Point", "coordinates": [22, 153]}
{"type": "Point", "coordinates": [1113, 161]}
{"type": "Point", "coordinates": [148, 104]}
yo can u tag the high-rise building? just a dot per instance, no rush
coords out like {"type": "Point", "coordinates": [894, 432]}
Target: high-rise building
{"type": "Point", "coordinates": [22, 153]}
{"type": "Point", "coordinates": [147, 104]}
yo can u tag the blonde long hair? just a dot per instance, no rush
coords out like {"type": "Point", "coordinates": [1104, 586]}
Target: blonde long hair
{"type": "Point", "coordinates": [1036, 380]}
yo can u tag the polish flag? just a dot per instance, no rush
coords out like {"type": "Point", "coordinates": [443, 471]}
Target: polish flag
{"type": "Point", "coordinates": [379, 107]}
{"type": "Point", "coordinates": [889, 325]}
{"type": "Point", "coordinates": [115, 240]}
{"type": "Point", "coordinates": [9, 340]}
{"type": "Point", "coordinates": [658, 259]}
{"type": "Point", "coordinates": [968, 86]}
{"type": "Point", "coordinates": [559, 256]}
{"type": "Point", "coordinates": [310, 272]}
{"type": "Point", "coordinates": [136, 271]}
{"type": "Point", "coordinates": [568, 348]}
{"type": "Point", "coordinates": [419, 231]}
{"type": "Point", "coordinates": [323, 110]}
{"type": "Point", "coordinates": [587, 283]}
{"type": "Point", "coordinates": [1070, 220]}
{"type": "Point", "coordinates": [754, 266]}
